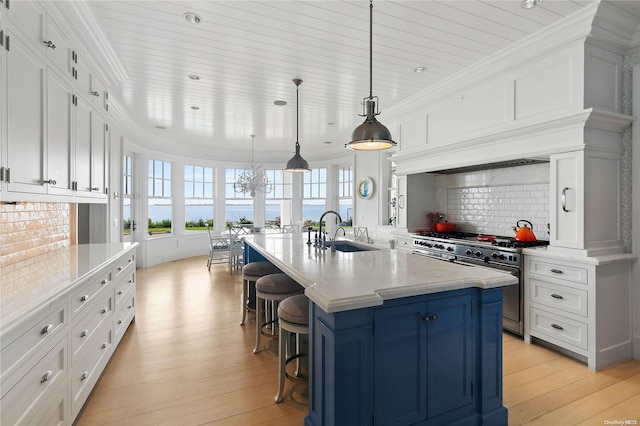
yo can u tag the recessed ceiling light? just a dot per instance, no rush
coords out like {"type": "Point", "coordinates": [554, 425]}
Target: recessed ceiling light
{"type": "Point", "coordinates": [420, 70]}
{"type": "Point", "coordinates": [195, 77]}
{"type": "Point", "coordinates": [530, 4]}
{"type": "Point", "coordinates": [192, 18]}
{"type": "Point", "coordinates": [195, 108]}
{"type": "Point", "coordinates": [280, 103]}
{"type": "Point", "coordinates": [161, 128]}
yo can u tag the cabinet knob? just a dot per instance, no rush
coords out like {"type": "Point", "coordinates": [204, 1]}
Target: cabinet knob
{"type": "Point", "coordinates": [96, 94]}
{"type": "Point", "coordinates": [430, 317]}
{"type": "Point", "coordinates": [130, 281]}
{"type": "Point", "coordinates": [103, 282]}
{"type": "Point", "coordinates": [119, 268]}
{"type": "Point", "coordinates": [557, 296]}
{"type": "Point", "coordinates": [120, 292]}
{"type": "Point", "coordinates": [84, 333]}
{"type": "Point", "coordinates": [49, 44]}
{"type": "Point", "coordinates": [84, 298]}
{"type": "Point", "coordinates": [130, 306]}
{"type": "Point", "coordinates": [104, 346]}
{"type": "Point", "coordinates": [103, 311]}
{"type": "Point", "coordinates": [47, 329]}
{"type": "Point", "coordinates": [46, 377]}
{"type": "Point", "coordinates": [50, 181]}
{"type": "Point", "coordinates": [119, 322]}
{"type": "Point", "coordinates": [84, 376]}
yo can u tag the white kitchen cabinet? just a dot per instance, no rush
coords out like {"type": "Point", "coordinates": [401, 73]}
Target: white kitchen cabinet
{"type": "Point", "coordinates": [416, 197]}
{"type": "Point", "coordinates": [53, 356]}
{"type": "Point", "coordinates": [83, 134]}
{"type": "Point", "coordinates": [585, 202]}
{"type": "Point", "coordinates": [25, 137]}
{"type": "Point", "coordinates": [99, 156]}
{"type": "Point", "coordinates": [580, 306]}
{"type": "Point", "coordinates": [59, 50]}
{"type": "Point", "coordinates": [60, 149]}
{"type": "Point", "coordinates": [29, 19]}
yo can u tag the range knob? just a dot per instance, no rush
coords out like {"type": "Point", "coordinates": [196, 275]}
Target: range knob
{"type": "Point", "coordinates": [494, 255]}
{"type": "Point", "coordinates": [502, 257]}
{"type": "Point", "coordinates": [478, 253]}
{"type": "Point", "coordinates": [469, 252]}
{"type": "Point", "coordinates": [449, 248]}
{"type": "Point", "coordinates": [429, 245]}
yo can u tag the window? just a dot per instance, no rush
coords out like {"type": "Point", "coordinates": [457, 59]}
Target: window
{"type": "Point", "coordinates": [278, 201]}
{"type": "Point", "coordinates": [345, 194]}
{"type": "Point", "coordinates": [198, 197]}
{"type": "Point", "coordinates": [314, 194]}
{"type": "Point", "coordinates": [159, 192]}
{"type": "Point", "coordinates": [127, 193]}
{"type": "Point", "coordinates": [239, 205]}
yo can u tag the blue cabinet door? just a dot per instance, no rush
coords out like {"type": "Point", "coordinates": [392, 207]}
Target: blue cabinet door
{"type": "Point", "coordinates": [400, 370]}
{"type": "Point", "coordinates": [449, 354]}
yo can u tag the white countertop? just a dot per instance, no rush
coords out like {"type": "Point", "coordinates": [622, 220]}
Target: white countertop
{"type": "Point", "coordinates": [32, 283]}
{"type": "Point", "coordinates": [590, 260]}
{"type": "Point", "coordinates": [337, 281]}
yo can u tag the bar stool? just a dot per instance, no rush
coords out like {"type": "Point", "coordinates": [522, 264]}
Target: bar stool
{"type": "Point", "coordinates": [250, 274]}
{"type": "Point", "coordinates": [272, 288]}
{"type": "Point", "coordinates": [293, 314]}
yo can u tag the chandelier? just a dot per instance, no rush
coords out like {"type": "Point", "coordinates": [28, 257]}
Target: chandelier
{"type": "Point", "coordinates": [252, 178]}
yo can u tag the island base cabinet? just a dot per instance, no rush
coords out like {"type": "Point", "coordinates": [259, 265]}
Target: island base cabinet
{"type": "Point", "coordinates": [418, 360]}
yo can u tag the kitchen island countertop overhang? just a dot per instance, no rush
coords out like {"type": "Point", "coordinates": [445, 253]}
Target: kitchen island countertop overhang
{"type": "Point", "coordinates": [341, 281]}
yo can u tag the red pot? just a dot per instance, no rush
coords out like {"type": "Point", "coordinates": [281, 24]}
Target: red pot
{"type": "Point", "coordinates": [445, 227]}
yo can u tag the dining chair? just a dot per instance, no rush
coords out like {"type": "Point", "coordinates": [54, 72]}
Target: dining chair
{"type": "Point", "coordinates": [218, 248]}
{"type": "Point", "coordinates": [361, 234]}
{"type": "Point", "coordinates": [290, 229]}
{"type": "Point", "coordinates": [235, 245]}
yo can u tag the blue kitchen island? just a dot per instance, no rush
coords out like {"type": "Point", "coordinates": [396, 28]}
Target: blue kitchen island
{"type": "Point", "coordinates": [396, 338]}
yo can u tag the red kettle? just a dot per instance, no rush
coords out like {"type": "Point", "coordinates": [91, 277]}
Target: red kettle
{"type": "Point", "coordinates": [524, 233]}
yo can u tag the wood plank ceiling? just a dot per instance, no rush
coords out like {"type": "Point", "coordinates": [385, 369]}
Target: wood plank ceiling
{"type": "Point", "coordinates": [246, 54]}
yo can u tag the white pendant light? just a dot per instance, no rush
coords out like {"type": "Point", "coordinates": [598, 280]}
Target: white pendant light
{"type": "Point", "coordinates": [370, 135]}
{"type": "Point", "coordinates": [297, 164]}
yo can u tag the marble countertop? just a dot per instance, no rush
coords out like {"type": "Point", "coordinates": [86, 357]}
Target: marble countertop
{"type": "Point", "coordinates": [338, 281]}
{"type": "Point", "coordinates": [32, 283]}
{"type": "Point", "coordinates": [589, 260]}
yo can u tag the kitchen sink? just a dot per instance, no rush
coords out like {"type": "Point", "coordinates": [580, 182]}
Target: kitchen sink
{"type": "Point", "coordinates": [351, 247]}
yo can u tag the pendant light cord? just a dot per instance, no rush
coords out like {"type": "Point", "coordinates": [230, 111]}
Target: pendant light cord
{"type": "Point", "coordinates": [370, 49]}
{"type": "Point", "coordinates": [297, 103]}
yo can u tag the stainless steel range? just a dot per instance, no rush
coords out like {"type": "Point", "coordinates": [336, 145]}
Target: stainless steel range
{"type": "Point", "coordinates": [501, 253]}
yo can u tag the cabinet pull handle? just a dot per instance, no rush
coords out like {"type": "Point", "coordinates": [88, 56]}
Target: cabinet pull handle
{"type": "Point", "coordinates": [46, 376]}
{"type": "Point", "coordinates": [430, 317]}
{"type": "Point", "coordinates": [84, 333]}
{"type": "Point", "coordinates": [557, 327]}
{"type": "Point", "coordinates": [49, 44]}
{"type": "Point", "coordinates": [557, 296]}
{"type": "Point", "coordinates": [401, 202]}
{"type": "Point", "coordinates": [96, 94]}
{"type": "Point", "coordinates": [8, 172]}
{"type": "Point", "coordinates": [563, 197]}
{"type": "Point", "coordinates": [94, 188]}
{"type": "Point", "coordinates": [556, 271]}
{"type": "Point", "coordinates": [84, 376]}
{"type": "Point", "coordinates": [50, 181]}
{"type": "Point", "coordinates": [84, 298]}
{"type": "Point", "coordinates": [47, 329]}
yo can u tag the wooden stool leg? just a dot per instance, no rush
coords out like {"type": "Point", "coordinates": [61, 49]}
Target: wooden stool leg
{"type": "Point", "coordinates": [259, 302]}
{"type": "Point", "coordinates": [284, 336]}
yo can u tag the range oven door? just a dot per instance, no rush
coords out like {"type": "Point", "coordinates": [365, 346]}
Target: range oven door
{"type": "Point", "coordinates": [513, 297]}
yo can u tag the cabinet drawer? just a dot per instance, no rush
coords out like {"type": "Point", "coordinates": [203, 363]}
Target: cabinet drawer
{"type": "Point", "coordinates": [123, 286]}
{"type": "Point", "coordinates": [30, 391]}
{"type": "Point", "coordinates": [55, 411]}
{"type": "Point", "coordinates": [85, 375]}
{"type": "Point", "coordinates": [558, 327]}
{"type": "Point", "coordinates": [563, 298]}
{"type": "Point", "coordinates": [563, 272]}
{"type": "Point", "coordinates": [124, 314]}
{"type": "Point", "coordinates": [124, 264]}
{"type": "Point", "coordinates": [88, 292]}
{"type": "Point", "coordinates": [89, 325]}
{"type": "Point", "coordinates": [20, 345]}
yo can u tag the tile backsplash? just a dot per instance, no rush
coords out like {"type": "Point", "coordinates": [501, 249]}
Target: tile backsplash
{"type": "Point", "coordinates": [492, 201]}
{"type": "Point", "coordinates": [30, 229]}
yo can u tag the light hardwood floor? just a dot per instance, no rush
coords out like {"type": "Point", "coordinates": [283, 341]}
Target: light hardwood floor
{"type": "Point", "coordinates": [187, 361]}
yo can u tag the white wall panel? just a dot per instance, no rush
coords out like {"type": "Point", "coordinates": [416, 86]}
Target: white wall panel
{"type": "Point", "coordinates": [547, 88]}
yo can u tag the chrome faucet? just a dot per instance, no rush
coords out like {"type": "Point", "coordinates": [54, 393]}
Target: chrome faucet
{"type": "Point", "coordinates": [322, 242]}
{"type": "Point", "coordinates": [335, 235]}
